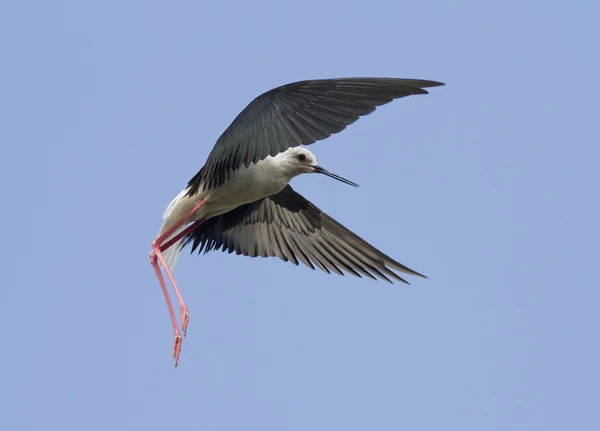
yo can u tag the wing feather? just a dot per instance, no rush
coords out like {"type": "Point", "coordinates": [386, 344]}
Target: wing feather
{"type": "Point", "coordinates": [299, 113]}
{"type": "Point", "coordinates": [288, 226]}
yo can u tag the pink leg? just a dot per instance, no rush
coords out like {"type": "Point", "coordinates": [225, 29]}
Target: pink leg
{"type": "Point", "coordinates": [177, 336]}
{"type": "Point", "coordinates": [156, 254]}
{"type": "Point", "coordinates": [181, 234]}
{"type": "Point", "coordinates": [157, 250]}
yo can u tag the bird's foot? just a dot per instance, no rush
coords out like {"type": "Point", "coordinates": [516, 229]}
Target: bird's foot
{"type": "Point", "coordinates": [177, 348]}
{"type": "Point", "coordinates": [185, 319]}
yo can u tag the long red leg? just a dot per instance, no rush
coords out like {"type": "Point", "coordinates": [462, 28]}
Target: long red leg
{"type": "Point", "coordinates": [156, 254]}
{"type": "Point", "coordinates": [184, 315]}
{"type": "Point", "coordinates": [181, 234]}
{"type": "Point", "coordinates": [181, 221]}
{"type": "Point", "coordinates": [177, 335]}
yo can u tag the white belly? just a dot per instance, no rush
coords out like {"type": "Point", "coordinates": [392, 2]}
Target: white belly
{"type": "Point", "coordinates": [245, 186]}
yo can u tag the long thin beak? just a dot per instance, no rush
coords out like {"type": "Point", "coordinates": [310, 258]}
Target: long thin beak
{"type": "Point", "coordinates": [320, 170]}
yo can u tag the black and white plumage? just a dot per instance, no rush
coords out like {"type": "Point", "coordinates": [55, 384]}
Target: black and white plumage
{"type": "Point", "coordinates": [240, 200]}
{"type": "Point", "coordinates": [288, 226]}
{"type": "Point", "coordinates": [296, 114]}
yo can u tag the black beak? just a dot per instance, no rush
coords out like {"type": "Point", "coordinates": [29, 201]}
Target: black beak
{"type": "Point", "coordinates": [320, 170]}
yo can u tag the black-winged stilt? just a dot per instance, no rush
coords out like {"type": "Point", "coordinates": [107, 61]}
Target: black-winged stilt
{"type": "Point", "coordinates": [241, 201]}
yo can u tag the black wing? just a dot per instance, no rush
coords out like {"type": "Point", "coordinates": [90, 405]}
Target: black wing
{"type": "Point", "coordinates": [288, 226]}
{"type": "Point", "coordinates": [297, 114]}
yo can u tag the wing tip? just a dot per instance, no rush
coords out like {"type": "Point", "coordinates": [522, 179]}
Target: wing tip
{"type": "Point", "coordinates": [420, 86]}
{"type": "Point", "coordinates": [388, 265]}
{"type": "Point", "coordinates": [414, 273]}
{"type": "Point", "coordinates": [429, 84]}
{"type": "Point", "coordinates": [403, 268]}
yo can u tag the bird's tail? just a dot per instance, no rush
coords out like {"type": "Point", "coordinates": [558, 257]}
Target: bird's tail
{"type": "Point", "coordinates": [171, 254]}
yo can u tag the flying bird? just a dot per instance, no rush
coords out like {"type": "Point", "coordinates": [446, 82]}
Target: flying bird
{"type": "Point", "coordinates": [241, 200]}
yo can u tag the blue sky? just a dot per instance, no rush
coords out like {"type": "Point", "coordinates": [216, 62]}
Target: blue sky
{"type": "Point", "coordinates": [488, 185]}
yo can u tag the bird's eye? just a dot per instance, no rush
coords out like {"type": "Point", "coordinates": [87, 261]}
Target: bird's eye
{"type": "Point", "coordinates": [301, 157]}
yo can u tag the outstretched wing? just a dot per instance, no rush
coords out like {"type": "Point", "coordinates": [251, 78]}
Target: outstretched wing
{"type": "Point", "coordinates": [297, 114]}
{"type": "Point", "coordinates": [288, 226]}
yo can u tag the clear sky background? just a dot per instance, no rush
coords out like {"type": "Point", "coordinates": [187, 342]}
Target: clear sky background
{"type": "Point", "coordinates": [489, 185]}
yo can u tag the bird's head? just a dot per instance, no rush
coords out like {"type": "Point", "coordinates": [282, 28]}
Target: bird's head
{"type": "Point", "coordinates": [301, 161]}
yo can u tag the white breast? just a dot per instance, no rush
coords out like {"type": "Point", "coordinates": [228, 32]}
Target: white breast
{"type": "Point", "coordinates": [245, 185]}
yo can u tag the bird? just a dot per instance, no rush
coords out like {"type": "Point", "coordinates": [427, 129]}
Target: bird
{"type": "Point", "coordinates": [241, 201]}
